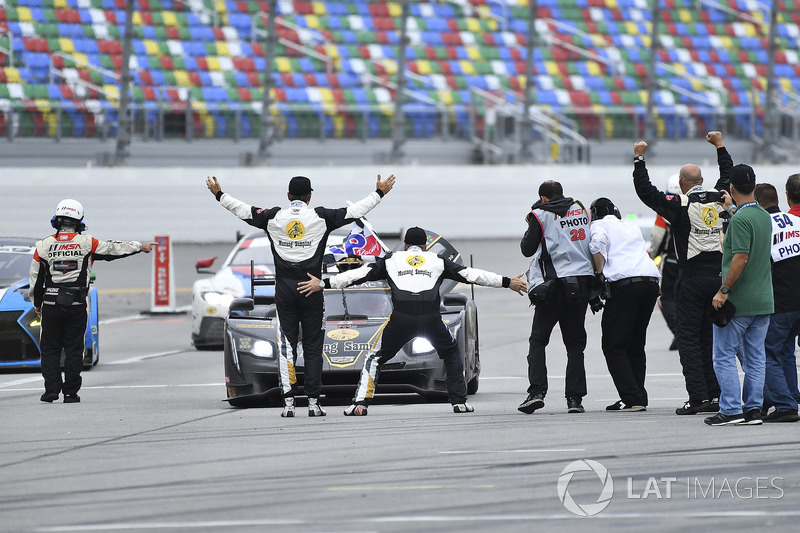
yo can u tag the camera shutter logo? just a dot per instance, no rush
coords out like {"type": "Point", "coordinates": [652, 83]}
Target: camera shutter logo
{"type": "Point", "coordinates": [589, 509]}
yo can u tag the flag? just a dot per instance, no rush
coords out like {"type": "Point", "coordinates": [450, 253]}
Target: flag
{"type": "Point", "coordinates": [361, 241]}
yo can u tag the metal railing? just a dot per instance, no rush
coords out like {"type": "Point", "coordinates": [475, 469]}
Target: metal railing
{"type": "Point", "coordinates": [197, 6]}
{"type": "Point", "coordinates": [58, 73]}
{"type": "Point", "coordinates": [735, 12]}
{"type": "Point", "coordinates": [256, 32]}
{"type": "Point", "coordinates": [619, 67]}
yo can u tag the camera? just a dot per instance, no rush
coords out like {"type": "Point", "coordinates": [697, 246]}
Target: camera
{"type": "Point", "coordinates": [596, 305]}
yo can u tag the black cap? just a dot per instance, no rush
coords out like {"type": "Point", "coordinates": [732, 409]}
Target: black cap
{"type": "Point", "coordinates": [742, 175]}
{"type": "Point", "coordinates": [300, 186]}
{"type": "Point", "coordinates": [603, 207]}
{"type": "Point", "coordinates": [416, 237]}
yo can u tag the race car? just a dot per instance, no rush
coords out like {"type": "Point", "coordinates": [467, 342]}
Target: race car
{"type": "Point", "coordinates": [20, 328]}
{"type": "Point", "coordinates": [354, 319]}
{"type": "Point", "coordinates": [212, 296]}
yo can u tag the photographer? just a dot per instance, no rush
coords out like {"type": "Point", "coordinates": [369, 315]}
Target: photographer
{"type": "Point", "coordinates": [631, 277]}
{"type": "Point", "coordinates": [560, 278]}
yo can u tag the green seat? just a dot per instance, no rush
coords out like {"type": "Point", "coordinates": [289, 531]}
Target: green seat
{"type": "Point", "coordinates": [137, 95]}
{"type": "Point", "coordinates": [169, 78]}
{"type": "Point", "coordinates": [178, 63]}
{"type": "Point", "coordinates": [161, 33]}
{"type": "Point", "coordinates": [113, 32]}
{"type": "Point", "coordinates": [106, 62]}
{"type": "Point", "coordinates": [154, 63]}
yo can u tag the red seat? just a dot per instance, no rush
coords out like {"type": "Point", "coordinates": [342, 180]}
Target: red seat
{"type": "Point", "coordinates": [166, 63]}
{"type": "Point", "coordinates": [244, 94]}
{"type": "Point", "coordinates": [146, 77]}
{"type": "Point", "coordinates": [194, 78]}
{"type": "Point", "coordinates": [149, 94]}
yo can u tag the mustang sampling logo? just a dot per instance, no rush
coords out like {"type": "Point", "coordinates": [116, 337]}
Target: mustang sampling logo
{"type": "Point", "coordinates": [709, 216]}
{"type": "Point", "coordinates": [588, 509]}
{"type": "Point", "coordinates": [415, 261]}
{"type": "Point", "coordinates": [295, 230]}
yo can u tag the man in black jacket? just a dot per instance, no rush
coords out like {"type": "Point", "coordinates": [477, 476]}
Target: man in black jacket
{"type": "Point", "coordinates": [696, 220]}
{"type": "Point", "coordinates": [298, 235]}
{"type": "Point", "coordinates": [414, 277]}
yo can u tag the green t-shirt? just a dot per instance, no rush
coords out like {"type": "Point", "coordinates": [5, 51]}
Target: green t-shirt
{"type": "Point", "coordinates": [750, 232]}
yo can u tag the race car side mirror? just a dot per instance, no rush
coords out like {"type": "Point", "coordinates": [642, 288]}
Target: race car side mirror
{"type": "Point", "coordinates": [242, 304]}
{"type": "Point", "coordinates": [203, 264]}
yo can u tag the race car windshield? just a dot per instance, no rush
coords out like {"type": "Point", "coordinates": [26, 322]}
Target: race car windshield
{"type": "Point", "coordinates": [358, 303]}
{"type": "Point", "coordinates": [261, 255]}
{"type": "Point", "coordinates": [14, 267]}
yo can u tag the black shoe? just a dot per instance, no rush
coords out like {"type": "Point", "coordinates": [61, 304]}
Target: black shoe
{"type": "Point", "coordinates": [574, 405]}
{"type": "Point", "coordinates": [532, 403]}
{"type": "Point", "coordinates": [49, 396]}
{"type": "Point", "coordinates": [673, 345]}
{"type": "Point", "coordinates": [720, 419]}
{"type": "Point", "coordinates": [619, 405]}
{"type": "Point", "coordinates": [751, 418]}
{"type": "Point", "coordinates": [692, 407]}
{"type": "Point", "coordinates": [712, 407]}
{"type": "Point", "coordinates": [72, 398]}
{"type": "Point", "coordinates": [782, 416]}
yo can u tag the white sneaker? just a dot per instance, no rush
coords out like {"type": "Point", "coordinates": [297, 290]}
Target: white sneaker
{"type": "Point", "coordinates": [314, 408]}
{"type": "Point", "coordinates": [463, 408]}
{"type": "Point", "coordinates": [288, 408]}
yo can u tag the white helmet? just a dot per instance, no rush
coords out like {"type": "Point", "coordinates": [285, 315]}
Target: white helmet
{"type": "Point", "coordinates": [673, 184]}
{"type": "Point", "coordinates": [69, 208]}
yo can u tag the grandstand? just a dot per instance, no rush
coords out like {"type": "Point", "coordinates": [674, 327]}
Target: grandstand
{"type": "Point", "coordinates": [198, 69]}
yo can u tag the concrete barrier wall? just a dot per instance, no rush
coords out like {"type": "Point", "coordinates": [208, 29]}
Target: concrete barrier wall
{"type": "Point", "coordinates": [456, 201]}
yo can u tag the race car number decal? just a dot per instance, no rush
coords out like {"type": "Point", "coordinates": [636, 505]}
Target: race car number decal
{"type": "Point", "coordinates": [343, 334]}
{"type": "Point", "coordinates": [295, 230]}
{"type": "Point", "coordinates": [415, 261]}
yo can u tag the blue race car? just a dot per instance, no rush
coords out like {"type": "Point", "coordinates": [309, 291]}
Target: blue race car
{"type": "Point", "coordinates": [19, 326]}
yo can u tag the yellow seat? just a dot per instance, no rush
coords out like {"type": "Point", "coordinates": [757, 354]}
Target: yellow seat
{"type": "Point", "coordinates": [283, 64]}
{"type": "Point", "coordinates": [182, 78]}
{"type": "Point", "coordinates": [466, 67]}
{"type": "Point", "coordinates": [213, 63]}
{"type": "Point", "coordinates": [222, 48]}
{"type": "Point", "coordinates": [169, 18]}
{"type": "Point", "coordinates": [319, 8]}
{"type": "Point", "coordinates": [151, 47]}
{"type": "Point", "coordinates": [424, 67]}
{"type": "Point", "coordinates": [12, 75]}
{"type": "Point", "coordinates": [474, 53]}
{"type": "Point", "coordinates": [24, 14]}
{"type": "Point", "coordinates": [312, 21]}
{"type": "Point", "coordinates": [111, 91]}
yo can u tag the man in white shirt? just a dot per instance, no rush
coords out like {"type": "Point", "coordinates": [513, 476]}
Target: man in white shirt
{"type": "Point", "coordinates": [632, 280]}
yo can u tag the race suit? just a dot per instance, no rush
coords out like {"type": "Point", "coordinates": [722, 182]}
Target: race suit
{"type": "Point", "coordinates": [696, 228]}
{"type": "Point", "coordinates": [414, 278]}
{"type": "Point", "coordinates": [59, 284]}
{"type": "Point", "coordinates": [299, 235]}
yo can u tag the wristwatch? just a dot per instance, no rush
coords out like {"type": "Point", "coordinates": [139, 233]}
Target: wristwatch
{"type": "Point", "coordinates": [638, 158]}
{"type": "Point", "coordinates": [724, 289]}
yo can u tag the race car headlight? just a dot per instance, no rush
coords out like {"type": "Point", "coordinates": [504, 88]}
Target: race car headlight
{"type": "Point", "coordinates": [217, 298]}
{"type": "Point", "coordinates": [421, 346]}
{"type": "Point", "coordinates": [255, 347]}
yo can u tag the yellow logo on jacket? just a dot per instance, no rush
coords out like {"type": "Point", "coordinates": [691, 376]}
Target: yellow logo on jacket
{"type": "Point", "coordinates": [415, 261]}
{"type": "Point", "coordinates": [709, 216]}
{"type": "Point", "coordinates": [295, 230]}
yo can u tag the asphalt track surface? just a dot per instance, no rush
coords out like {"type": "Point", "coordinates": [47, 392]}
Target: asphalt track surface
{"type": "Point", "coordinates": [152, 446]}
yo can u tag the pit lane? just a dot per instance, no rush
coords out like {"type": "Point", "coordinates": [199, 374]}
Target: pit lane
{"type": "Point", "coordinates": [152, 446]}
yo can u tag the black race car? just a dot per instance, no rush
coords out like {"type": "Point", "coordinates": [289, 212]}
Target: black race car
{"type": "Point", "coordinates": [355, 317]}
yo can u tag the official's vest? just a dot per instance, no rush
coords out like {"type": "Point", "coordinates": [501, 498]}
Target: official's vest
{"type": "Point", "coordinates": [785, 236]}
{"type": "Point", "coordinates": [706, 225]}
{"type": "Point", "coordinates": [564, 251]}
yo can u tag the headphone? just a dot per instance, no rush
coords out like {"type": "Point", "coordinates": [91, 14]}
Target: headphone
{"type": "Point", "coordinates": [81, 227]}
{"type": "Point", "coordinates": [604, 209]}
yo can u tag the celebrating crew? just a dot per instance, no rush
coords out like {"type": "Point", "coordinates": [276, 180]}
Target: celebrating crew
{"type": "Point", "coordinates": [414, 276]}
{"type": "Point", "coordinates": [298, 235]}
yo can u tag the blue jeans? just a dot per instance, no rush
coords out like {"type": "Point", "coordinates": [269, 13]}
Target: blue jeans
{"type": "Point", "coordinates": [743, 337]}
{"type": "Point", "coordinates": [780, 382]}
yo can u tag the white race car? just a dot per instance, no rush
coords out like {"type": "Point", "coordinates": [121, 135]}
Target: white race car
{"type": "Point", "coordinates": [212, 296]}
